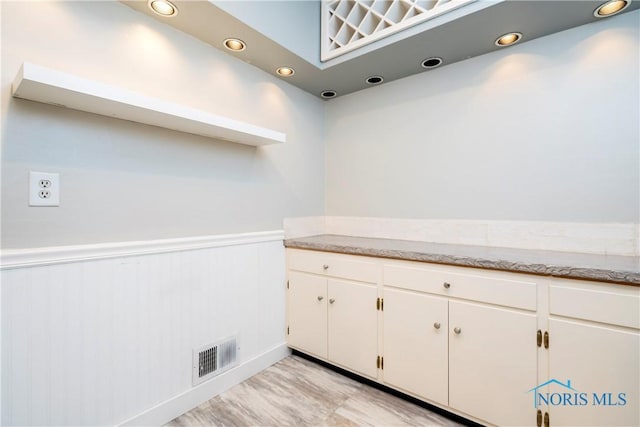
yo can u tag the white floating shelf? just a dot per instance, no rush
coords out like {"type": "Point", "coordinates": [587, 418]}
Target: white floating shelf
{"type": "Point", "coordinates": [42, 84]}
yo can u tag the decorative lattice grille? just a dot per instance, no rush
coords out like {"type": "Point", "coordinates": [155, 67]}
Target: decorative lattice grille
{"type": "Point", "coordinates": [349, 24]}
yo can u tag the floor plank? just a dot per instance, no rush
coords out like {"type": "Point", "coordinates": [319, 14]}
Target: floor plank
{"type": "Point", "coordinates": [297, 392]}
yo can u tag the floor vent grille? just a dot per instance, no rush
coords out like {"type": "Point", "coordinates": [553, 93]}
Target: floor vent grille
{"type": "Point", "coordinates": [214, 359]}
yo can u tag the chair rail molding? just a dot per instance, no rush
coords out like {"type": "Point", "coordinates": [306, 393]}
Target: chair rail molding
{"type": "Point", "coordinates": [18, 258]}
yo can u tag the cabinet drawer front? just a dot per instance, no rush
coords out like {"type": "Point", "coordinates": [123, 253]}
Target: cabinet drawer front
{"type": "Point", "coordinates": [616, 308]}
{"type": "Point", "coordinates": [337, 265]}
{"type": "Point", "coordinates": [451, 282]}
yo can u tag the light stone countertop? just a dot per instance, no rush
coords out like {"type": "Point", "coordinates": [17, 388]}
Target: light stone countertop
{"type": "Point", "coordinates": [603, 268]}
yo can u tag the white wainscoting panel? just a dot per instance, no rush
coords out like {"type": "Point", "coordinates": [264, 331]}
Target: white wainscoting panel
{"type": "Point", "coordinates": [103, 340]}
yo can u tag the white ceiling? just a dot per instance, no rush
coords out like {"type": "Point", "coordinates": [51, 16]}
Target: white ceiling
{"type": "Point", "coordinates": [287, 32]}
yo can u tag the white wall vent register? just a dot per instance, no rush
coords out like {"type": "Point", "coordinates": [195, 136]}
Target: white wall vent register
{"type": "Point", "coordinates": [350, 24]}
{"type": "Point", "coordinates": [214, 359]}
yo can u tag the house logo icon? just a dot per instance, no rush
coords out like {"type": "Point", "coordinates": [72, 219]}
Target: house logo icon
{"type": "Point", "coordinates": [563, 394]}
{"type": "Point", "coordinates": [536, 394]}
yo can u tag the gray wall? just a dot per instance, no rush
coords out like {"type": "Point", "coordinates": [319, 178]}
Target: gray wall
{"type": "Point", "coordinates": [545, 130]}
{"type": "Point", "coordinates": [126, 181]}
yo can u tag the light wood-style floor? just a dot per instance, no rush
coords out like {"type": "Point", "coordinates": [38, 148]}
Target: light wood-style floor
{"type": "Point", "coordinates": [297, 392]}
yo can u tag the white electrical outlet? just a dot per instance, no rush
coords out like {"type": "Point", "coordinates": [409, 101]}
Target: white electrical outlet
{"type": "Point", "coordinates": [44, 189]}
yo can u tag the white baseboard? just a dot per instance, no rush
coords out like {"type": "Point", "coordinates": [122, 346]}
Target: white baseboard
{"type": "Point", "coordinates": [178, 405]}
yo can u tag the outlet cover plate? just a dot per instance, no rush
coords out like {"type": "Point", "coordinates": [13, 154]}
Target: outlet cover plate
{"type": "Point", "coordinates": [44, 189]}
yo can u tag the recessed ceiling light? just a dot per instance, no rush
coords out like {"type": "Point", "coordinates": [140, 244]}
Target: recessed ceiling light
{"type": "Point", "coordinates": [432, 62]}
{"type": "Point", "coordinates": [611, 8]}
{"type": "Point", "coordinates": [163, 7]}
{"type": "Point", "coordinates": [374, 80]}
{"type": "Point", "coordinates": [286, 71]}
{"type": "Point", "coordinates": [508, 39]}
{"type": "Point", "coordinates": [235, 45]}
{"type": "Point", "coordinates": [327, 94]}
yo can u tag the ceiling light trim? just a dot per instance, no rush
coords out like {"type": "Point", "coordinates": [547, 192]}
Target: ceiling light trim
{"type": "Point", "coordinates": [517, 38]}
{"type": "Point", "coordinates": [603, 6]}
{"type": "Point", "coordinates": [172, 7]}
{"type": "Point", "coordinates": [328, 94]}
{"type": "Point", "coordinates": [374, 80]}
{"type": "Point", "coordinates": [285, 71]}
{"type": "Point", "coordinates": [435, 60]}
{"type": "Point", "coordinates": [228, 43]}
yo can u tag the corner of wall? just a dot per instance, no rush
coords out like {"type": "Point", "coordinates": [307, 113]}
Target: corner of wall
{"type": "Point", "coordinates": [304, 226]}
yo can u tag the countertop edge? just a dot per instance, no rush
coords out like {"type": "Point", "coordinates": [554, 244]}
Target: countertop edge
{"type": "Point", "coordinates": [560, 271]}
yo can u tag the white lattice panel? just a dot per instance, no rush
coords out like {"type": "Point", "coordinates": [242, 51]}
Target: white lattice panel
{"type": "Point", "coordinates": [350, 24]}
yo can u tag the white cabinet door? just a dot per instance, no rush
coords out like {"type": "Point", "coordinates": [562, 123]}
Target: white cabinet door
{"type": "Point", "coordinates": [597, 360]}
{"type": "Point", "coordinates": [416, 344]}
{"type": "Point", "coordinates": [353, 326]}
{"type": "Point", "coordinates": [492, 363]}
{"type": "Point", "coordinates": [308, 313]}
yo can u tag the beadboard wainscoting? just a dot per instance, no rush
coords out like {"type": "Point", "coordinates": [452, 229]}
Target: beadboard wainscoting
{"type": "Point", "coordinates": [107, 338]}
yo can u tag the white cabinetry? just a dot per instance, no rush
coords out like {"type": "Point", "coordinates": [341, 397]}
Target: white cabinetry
{"type": "Point", "coordinates": [352, 326]}
{"type": "Point", "coordinates": [595, 344]}
{"type": "Point", "coordinates": [308, 313]}
{"type": "Point", "coordinates": [479, 343]}
{"type": "Point", "coordinates": [492, 362]}
{"type": "Point", "coordinates": [415, 335]}
{"type": "Point", "coordinates": [332, 309]}
{"type": "Point", "coordinates": [480, 325]}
